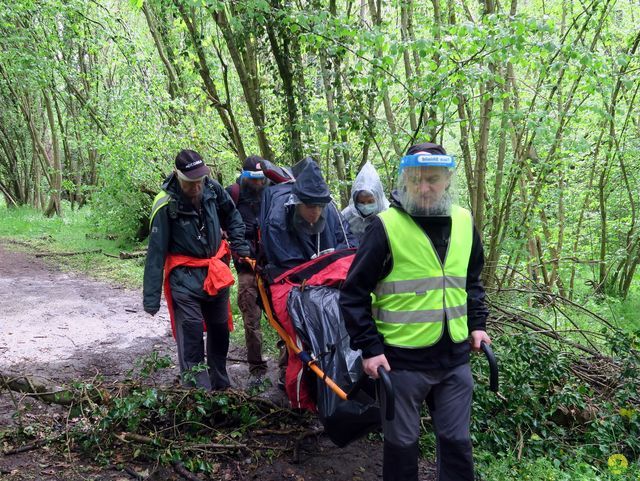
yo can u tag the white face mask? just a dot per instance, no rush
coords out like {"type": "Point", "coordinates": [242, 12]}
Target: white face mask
{"type": "Point", "coordinates": [367, 209]}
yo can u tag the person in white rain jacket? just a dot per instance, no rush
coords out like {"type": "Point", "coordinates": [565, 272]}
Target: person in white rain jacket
{"type": "Point", "coordinates": [367, 199]}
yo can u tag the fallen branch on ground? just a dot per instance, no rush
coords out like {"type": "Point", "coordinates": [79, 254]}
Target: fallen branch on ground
{"type": "Point", "coordinates": [24, 448]}
{"type": "Point", "coordinates": [51, 394]}
{"type": "Point", "coordinates": [133, 255]}
{"type": "Point", "coordinates": [179, 468]}
{"type": "Point", "coordinates": [145, 422]}
{"type": "Point", "coordinates": [67, 254]}
{"type": "Point", "coordinates": [134, 474]}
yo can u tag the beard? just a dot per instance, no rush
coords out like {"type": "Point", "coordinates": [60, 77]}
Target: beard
{"type": "Point", "coordinates": [195, 199]}
{"type": "Point", "coordinates": [418, 206]}
{"type": "Point", "coordinates": [253, 190]}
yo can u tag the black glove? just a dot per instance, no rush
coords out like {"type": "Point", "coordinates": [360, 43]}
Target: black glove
{"type": "Point", "coordinates": [151, 310]}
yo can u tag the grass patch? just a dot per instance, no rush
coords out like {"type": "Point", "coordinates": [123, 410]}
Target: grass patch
{"type": "Point", "coordinates": [26, 229]}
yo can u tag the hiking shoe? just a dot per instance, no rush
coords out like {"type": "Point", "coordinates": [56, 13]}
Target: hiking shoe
{"type": "Point", "coordinates": [257, 382]}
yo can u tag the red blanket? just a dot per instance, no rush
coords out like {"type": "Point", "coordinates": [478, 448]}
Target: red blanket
{"type": "Point", "coordinates": [320, 273]}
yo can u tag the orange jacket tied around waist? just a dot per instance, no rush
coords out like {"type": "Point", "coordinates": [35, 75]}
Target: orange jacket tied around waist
{"type": "Point", "coordinates": [219, 276]}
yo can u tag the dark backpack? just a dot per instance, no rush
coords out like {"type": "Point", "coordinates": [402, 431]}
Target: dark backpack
{"type": "Point", "coordinates": [234, 192]}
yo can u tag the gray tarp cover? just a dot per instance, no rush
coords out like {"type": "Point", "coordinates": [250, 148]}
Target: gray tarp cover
{"type": "Point", "coordinates": [315, 313]}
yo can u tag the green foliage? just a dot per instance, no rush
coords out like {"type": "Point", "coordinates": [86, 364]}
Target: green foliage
{"type": "Point", "coordinates": [544, 469]}
{"type": "Point", "coordinates": [553, 88]}
{"type": "Point", "coordinates": [170, 425]}
{"type": "Point", "coordinates": [548, 413]}
{"type": "Point", "coordinates": [151, 364]}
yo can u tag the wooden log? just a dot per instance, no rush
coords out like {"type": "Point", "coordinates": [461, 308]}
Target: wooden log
{"type": "Point", "coordinates": [48, 393]}
{"type": "Point", "coordinates": [24, 448]}
{"type": "Point", "coordinates": [179, 468]}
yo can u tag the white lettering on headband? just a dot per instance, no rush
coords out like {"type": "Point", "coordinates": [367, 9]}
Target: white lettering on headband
{"type": "Point", "coordinates": [433, 159]}
{"type": "Point", "coordinates": [195, 162]}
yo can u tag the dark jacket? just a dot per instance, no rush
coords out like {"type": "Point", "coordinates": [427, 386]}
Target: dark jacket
{"type": "Point", "coordinates": [284, 246]}
{"type": "Point", "coordinates": [372, 263]}
{"type": "Point", "coordinates": [249, 207]}
{"type": "Point", "coordinates": [178, 228]}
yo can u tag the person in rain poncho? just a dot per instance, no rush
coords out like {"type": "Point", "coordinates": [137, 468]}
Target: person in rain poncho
{"type": "Point", "coordinates": [304, 223]}
{"type": "Point", "coordinates": [367, 199]}
{"type": "Point", "coordinates": [300, 223]}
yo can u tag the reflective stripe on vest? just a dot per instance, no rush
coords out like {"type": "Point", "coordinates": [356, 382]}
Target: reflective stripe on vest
{"type": "Point", "coordinates": [410, 304]}
{"type": "Point", "coordinates": [160, 201]}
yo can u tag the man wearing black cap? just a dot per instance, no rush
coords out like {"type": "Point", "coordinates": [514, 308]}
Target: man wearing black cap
{"type": "Point", "coordinates": [246, 193]}
{"type": "Point", "coordinates": [414, 303]}
{"type": "Point", "coordinates": [186, 245]}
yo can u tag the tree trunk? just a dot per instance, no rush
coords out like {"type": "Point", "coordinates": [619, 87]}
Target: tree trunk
{"type": "Point", "coordinates": [244, 59]}
{"type": "Point", "coordinates": [405, 20]}
{"type": "Point", "coordinates": [224, 111]}
{"type": "Point", "coordinates": [162, 53]}
{"type": "Point", "coordinates": [280, 41]}
{"type": "Point", "coordinates": [55, 184]}
{"type": "Point", "coordinates": [496, 207]}
{"type": "Point", "coordinates": [376, 18]}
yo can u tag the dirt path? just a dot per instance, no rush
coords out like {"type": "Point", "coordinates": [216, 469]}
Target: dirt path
{"type": "Point", "coordinates": [63, 327]}
{"type": "Point", "coordinates": [60, 324]}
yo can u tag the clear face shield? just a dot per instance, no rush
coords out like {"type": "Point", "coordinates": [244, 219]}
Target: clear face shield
{"type": "Point", "coordinates": [307, 219]}
{"type": "Point", "coordinates": [424, 184]}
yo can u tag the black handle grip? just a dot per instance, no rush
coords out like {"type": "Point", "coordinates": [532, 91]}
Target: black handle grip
{"type": "Point", "coordinates": [493, 366]}
{"type": "Point", "coordinates": [389, 393]}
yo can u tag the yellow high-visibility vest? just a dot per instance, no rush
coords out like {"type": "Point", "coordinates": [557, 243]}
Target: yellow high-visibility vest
{"type": "Point", "coordinates": [162, 199]}
{"type": "Point", "coordinates": [411, 304]}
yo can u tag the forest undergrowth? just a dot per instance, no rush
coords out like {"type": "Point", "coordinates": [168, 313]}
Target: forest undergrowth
{"type": "Point", "coordinates": [568, 406]}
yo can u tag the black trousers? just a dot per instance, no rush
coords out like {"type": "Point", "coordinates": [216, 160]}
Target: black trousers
{"type": "Point", "coordinates": [189, 314]}
{"type": "Point", "coordinates": [448, 394]}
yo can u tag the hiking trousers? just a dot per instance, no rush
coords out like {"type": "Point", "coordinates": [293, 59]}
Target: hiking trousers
{"type": "Point", "coordinates": [448, 394]}
{"type": "Point", "coordinates": [189, 313]}
{"type": "Point", "coordinates": [251, 315]}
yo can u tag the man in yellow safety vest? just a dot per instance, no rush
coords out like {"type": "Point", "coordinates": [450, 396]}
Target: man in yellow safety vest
{"type": "Point", "coordinates": [414, 303]}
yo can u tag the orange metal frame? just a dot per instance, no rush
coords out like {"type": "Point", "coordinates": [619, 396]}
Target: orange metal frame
{"type": "Point", "coordinates": [285, 336]}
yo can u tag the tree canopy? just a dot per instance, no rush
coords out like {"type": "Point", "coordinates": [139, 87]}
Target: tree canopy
{"type": "Point", "coordinates": [537, 99]}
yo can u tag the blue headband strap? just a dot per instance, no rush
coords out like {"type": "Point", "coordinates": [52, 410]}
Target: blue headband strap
{"type": "Point", "coordinates": [427, 160]}
{"type": "Point", "coordinates": [252, 174]}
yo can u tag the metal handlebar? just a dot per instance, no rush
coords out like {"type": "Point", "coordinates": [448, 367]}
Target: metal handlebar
{"type": "Point", "coordinates": [493, 366]}
{"type": "Point", "coordinates": [389, 392]}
